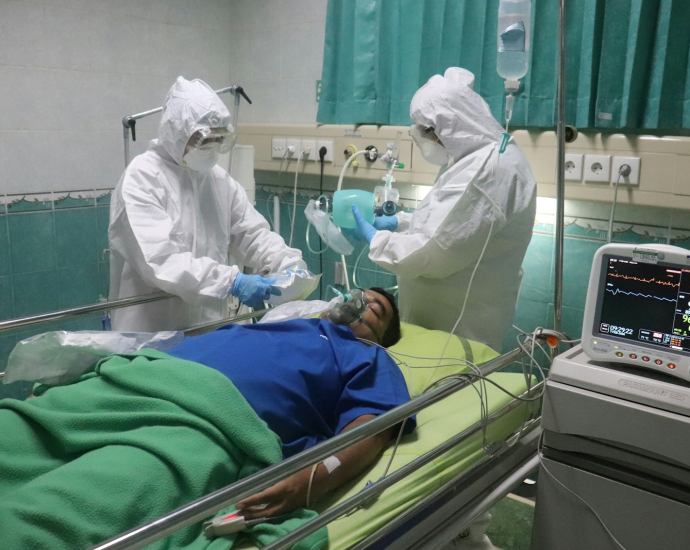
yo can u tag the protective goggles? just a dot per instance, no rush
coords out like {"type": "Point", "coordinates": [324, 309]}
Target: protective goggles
{"type": "Point", "coordinates": [222, 139]}
{"type": "Point", "coordinates": [418, 131]}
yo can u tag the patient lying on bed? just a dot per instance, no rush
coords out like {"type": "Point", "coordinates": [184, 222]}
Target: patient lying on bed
{"type": "Point", "coordinates": [308, 380]}
{"type": "Point", "coordinates": [315, 380]}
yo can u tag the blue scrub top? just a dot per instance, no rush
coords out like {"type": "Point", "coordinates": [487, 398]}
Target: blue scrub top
{"type": "Point", "coordinates": [307, 379]}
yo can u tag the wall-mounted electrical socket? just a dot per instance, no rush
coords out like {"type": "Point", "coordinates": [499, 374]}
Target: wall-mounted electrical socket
{"type": "Point", "coordinates": [597, 168]}
{"type": "Point", "coordinates": [328, 144]}
{"type": "Point", "coordinates": [278, 146]}
{"type": "Point", "coordinates": [573, 167]}
{"type": "Point", "coordinates": [313, 154]}
{"type": "Point", "coordinates": [293, 146]}
{"type": "Point", "coordinates": [633, 178]}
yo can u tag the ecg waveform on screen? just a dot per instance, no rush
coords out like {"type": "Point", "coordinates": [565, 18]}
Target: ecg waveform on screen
{"type": "Point", "coordinates": [642, 280]}
{"type": "Point", "coordinates": [639, 294]}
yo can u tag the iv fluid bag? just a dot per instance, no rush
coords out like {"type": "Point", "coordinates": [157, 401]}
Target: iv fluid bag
{"type": "Point", "coordinates": [514, 33]}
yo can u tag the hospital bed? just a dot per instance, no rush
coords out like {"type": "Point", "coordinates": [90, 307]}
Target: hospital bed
{"type": "Point", "coordinates": [444, 475]}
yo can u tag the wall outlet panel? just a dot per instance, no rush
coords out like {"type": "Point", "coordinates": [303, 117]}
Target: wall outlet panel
{"type": "Point", "coordinates": [296, 143]}
{"type": "Point", "coordinates": [278, 146]}
{"type": "Point", "coordinates": [328, 144]}
{"type": "Point", "coordinates": [633, 162]}
{"type": "Point", "coordinates": [573, 167]}
{"type": "Point", "coordinates": [313, 154]}
{"type": "Point", "coordinates": [597, 168]}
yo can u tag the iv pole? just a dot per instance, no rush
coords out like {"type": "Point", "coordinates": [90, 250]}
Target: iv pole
{"type": "Point", "coordinates": [560, 174]}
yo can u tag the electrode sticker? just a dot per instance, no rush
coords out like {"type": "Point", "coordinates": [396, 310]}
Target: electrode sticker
{"type": "Point", "coordinates": [645, 255]}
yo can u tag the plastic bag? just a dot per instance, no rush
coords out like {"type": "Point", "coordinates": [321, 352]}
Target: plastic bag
{"type": "Point", "coordinates": [61, 357]}
{"type": "Point", "coordinates": [301, 309]}
{"type": "Point", "coordinates": [327, 230]}
{"type": "Point", "coordinates": [294, 282]}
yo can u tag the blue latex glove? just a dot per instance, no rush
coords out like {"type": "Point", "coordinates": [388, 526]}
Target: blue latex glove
{"type": "Point", "coordinates": [386, 223]}
{"type": "Point", "coordinates": [364, 230]}
{"type": "Point", "coordinates": [253, 290]}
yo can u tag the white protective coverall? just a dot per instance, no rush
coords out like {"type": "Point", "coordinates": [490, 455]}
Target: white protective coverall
{"type": "Point", "coordinates": [158, 208]}
{"type": "Point", "coordinates": [435, 249]}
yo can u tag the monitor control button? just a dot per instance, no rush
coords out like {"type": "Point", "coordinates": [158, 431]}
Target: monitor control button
{"type": "Point", "coordinates": [645, 358]}
{"type": "Point", "coordinates": [633, 356]}
{"type": "Point", "coordinates": [671, 365]}
{"type": "Point", "coordinates": [658, 361]}
{"type": "Point", "coordinates": [619, 354]}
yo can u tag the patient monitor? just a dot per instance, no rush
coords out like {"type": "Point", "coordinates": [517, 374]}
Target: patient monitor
{"type": "Point", "coordinates": [638, 308]}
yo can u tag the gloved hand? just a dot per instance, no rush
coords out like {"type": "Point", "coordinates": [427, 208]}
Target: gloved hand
{"type": "Point", "coordinates": [386, 223]}
{"type": "Point", "coordinates": [253, 290]}
{"type": "Point", "coordinates": [364, 230]}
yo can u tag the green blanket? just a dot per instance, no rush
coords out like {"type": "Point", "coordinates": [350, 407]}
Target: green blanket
{"type": "Point", "coordinates": [139, 436]}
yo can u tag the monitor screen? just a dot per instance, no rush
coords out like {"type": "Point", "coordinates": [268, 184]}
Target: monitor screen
{"type": "Point", "coordinates": [643, 302]}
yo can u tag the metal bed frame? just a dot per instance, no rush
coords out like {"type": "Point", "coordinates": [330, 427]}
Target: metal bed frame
{"type": "Point", "coordinates": [427, 524]}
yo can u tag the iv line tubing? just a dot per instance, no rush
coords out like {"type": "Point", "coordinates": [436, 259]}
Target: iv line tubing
{"type": "Point", "coordinates": [346, 166]}
{"type": "Point", "coordinates": [294, 195]}
{"type": "Point", "coordinates": [340, 185]}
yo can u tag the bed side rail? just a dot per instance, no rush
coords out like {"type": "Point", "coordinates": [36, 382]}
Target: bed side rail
{"type": "Point", "coordinates": [381, 485]}
{"type": "Point", "coordinates": [210, 504]}
{"type": "Point", "coordinates": [117, 304]}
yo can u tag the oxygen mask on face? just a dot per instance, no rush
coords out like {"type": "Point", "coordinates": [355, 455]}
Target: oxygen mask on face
{"type": "Point", "coordinates": [350, 310]}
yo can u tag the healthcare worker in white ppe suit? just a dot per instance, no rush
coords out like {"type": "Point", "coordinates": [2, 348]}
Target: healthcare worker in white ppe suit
{"type": "Point", "coordinates": [175, 215]}
{"type": "Point", "coordinates": [482, 200]}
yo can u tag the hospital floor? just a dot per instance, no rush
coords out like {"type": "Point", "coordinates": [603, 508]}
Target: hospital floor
{"type": "Point", "coordinates": [511, 523]}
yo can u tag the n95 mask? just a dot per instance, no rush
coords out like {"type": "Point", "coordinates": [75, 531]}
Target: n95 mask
{"type": "Point", "coordinates": [201, 161]}
{"type": "Point", "coordinates": [432, 151]}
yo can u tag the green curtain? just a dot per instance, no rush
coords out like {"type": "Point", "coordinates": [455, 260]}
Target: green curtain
{"type": "Point", "coordinates": [627, 60]}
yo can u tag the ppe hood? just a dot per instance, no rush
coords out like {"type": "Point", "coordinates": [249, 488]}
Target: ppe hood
{"type": "Point", "coordinates": [460, 117]}
{"type": "Point", "coordinates": [189, 106]}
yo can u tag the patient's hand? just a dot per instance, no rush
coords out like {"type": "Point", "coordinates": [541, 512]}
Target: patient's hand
{"type": "Point", "coordinates": [291, 493]}
{"type": "Point", "coordinates": [282, 498]}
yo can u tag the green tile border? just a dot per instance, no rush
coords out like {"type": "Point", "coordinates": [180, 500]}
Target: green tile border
{"type": "Point", "coordinates": [74, 200]}
{"type": "Point", "coordinates": [29, 203]}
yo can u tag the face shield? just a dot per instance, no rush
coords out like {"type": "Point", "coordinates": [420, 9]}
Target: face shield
{"type": "Point", "coordinates": [428, 142]}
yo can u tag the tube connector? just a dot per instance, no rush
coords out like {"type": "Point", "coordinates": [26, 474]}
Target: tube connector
{"type": "Point", "coordinates": [511, 85]}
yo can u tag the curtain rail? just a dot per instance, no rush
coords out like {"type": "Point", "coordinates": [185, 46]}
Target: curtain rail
{"type": "Point", "coordinates": [210, 504]}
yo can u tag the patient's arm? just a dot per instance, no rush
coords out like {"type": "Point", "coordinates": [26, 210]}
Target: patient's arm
{"type": "Point", "coordinates": [291, 493]}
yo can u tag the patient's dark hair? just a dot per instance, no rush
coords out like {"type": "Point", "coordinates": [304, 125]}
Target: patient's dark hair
{"type": "Point", "coordinates": [392, 334]}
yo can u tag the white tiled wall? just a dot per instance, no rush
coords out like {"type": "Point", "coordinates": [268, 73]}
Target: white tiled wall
{"type": "Point", "coordinates": [71, 69]}
{"type": "Point", "coordinates": [277, 54]}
